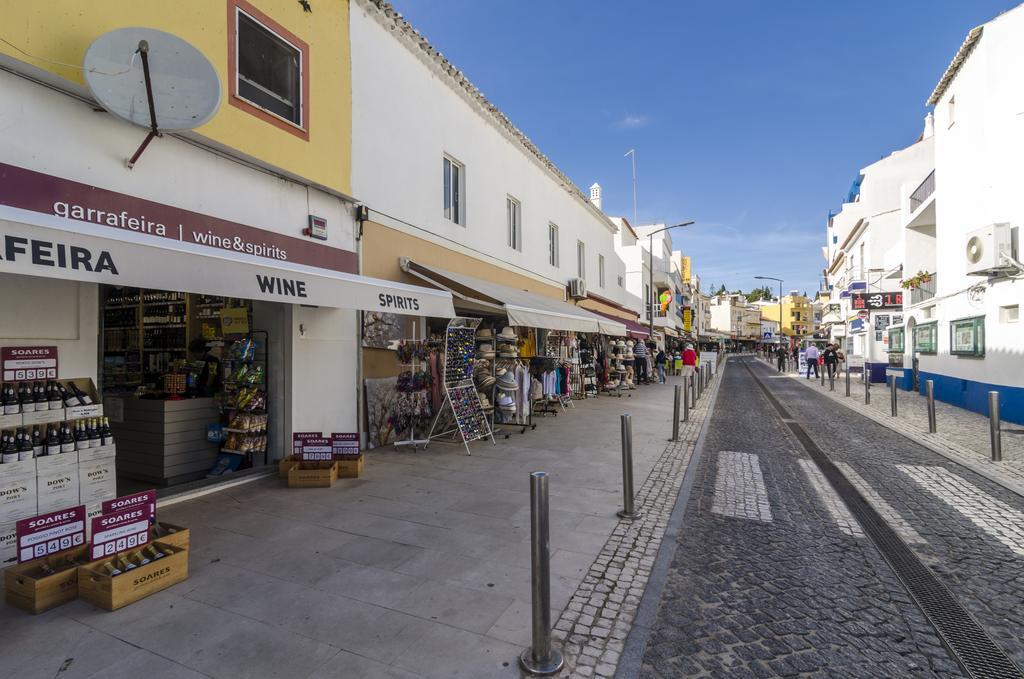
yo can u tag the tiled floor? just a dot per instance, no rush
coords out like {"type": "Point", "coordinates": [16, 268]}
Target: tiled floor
{"type": "Point", "coordinates": [419, 568]}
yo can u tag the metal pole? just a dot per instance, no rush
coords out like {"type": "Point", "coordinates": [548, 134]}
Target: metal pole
{"type": "Point", "coordinates": [693, 390]}
{"type": "Point", "coordinates": [650, 282]}
{"type": "Point", "coordinates": [929, 390]}
{"type": "Point", "coordinates": [892, 395]}
{"type": "Point", "coordinates": [831, 377]}
{"type": "Point", "coordinates": [627, 470]}
{"type": "Point", "coordinates": [821, 369]}
{"type": "Point", "coordinates": [541, 658]}
{"type": "Point", "coordinates": [686, 402]}
{"type": "Point", "coordinates": [867, 385]}
{"type": "Point", "coordinates": [847, 366]}
{"type": "Point", "coordinates": [700, 385]}
{"type": "Point", "coordinates": [993, 426]}
{"type": "Point", "coordinates": [675, 412]}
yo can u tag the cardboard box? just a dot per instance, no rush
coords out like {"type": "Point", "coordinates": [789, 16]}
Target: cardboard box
{"type": "Point", "coordinates": [94, 409]}
{"type": "Point", "coordinates": [284, 465]}
{"type": "Point", "coordinates": [313, 475]}
{"type": "Point", "coordinates": [29, 589]}
{"type": "Point", "coordinates": [97, 481]}
{"type": "Point", "coordinates": [18, 491]}
{"type": "Point", "coordinates": [8, 542]}
{"type": "Point", "coordinates": [114, 592]}
{"type": "Point", "coordinates": [179, 538]}
{"type": "Point", "coordinates": [91, 511]}
{"type": "Point", "coordinates": [350, 467]}
{"type": "Point", "coordinates": [10, 421]}
{"type": "Point", "coordinates": [43, 416]}
{"type": "Point", "coordinates": [97, 453]}
{"type": "Point", "coordinates": [52, 464]}
{"type": "Point", "coordinates": [57, 490]}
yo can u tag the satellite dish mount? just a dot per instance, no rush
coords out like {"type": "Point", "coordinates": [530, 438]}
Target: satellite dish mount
{"type": "Point", "coordinates": [154, 131]}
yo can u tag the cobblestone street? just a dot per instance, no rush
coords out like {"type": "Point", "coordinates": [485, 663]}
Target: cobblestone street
{"type": "Point", "coordinates": [772, 575]}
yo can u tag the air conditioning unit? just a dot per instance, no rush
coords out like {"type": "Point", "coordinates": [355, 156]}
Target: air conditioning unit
{"type": "Point", "coordinates": [988, 248]}
{"type": "Point", "coordinates": [577, 288]}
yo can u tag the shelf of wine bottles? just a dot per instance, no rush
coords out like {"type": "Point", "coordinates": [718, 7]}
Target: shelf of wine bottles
{"type": "Point", "coordinates": [54, 438]}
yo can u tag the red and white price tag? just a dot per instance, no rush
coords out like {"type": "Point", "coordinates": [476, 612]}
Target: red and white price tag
{"type": "Point", "coordinates": [50, 533]}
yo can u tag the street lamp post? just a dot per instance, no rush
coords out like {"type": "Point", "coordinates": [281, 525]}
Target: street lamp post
{"type": "Point", "coordinates": [772, 278]}
{"type": "Point", "coordinates": [650, 273]}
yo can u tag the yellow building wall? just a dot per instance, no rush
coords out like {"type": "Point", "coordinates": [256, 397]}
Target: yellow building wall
{"type": "Point", "coordinates": [790, 326]}
{"type": "Point", "coordinates": [62, 30]}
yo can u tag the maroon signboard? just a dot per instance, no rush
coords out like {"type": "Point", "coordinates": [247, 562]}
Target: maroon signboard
{"type": "Point", "coordinates": [316, 450]}
{"type": "Point", "coordinates": [146, 499]}
{"type": "Point", "coordinates": [50, 533]}
{"type": "Point", "coordinates": [299, 436]}
{"type": "Point", "coordinates": [116, 532]}
{"type": "Point", "coordinates": [28, 363]}
{"type": "Point", "coordinates": [876, 300]}
{"type": "Point", "coordinates": [344, 445]}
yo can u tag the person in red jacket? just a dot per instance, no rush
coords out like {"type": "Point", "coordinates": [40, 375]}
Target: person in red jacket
{"type": "Point", "coordinates": [689, 360]}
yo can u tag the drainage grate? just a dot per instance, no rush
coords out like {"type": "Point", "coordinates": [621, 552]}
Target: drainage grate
{"type": "Point", "coordinates": [969, 644]}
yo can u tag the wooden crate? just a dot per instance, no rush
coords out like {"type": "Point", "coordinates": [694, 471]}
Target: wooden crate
{"type": "Point", "coordinates": [285, 465]}
{"type": "Point", "coordinates": [350, 467]}
{"type": "Point", "coordinates": [114, 592]}
{"type": "Point", "coordinates": [313, 475]}
{"type": "Point", "coordinates": [28, 589]}
{"type": "Point", "coordinates": [179, 538]}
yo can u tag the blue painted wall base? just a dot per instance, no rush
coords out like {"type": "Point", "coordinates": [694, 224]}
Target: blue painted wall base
{"type": "Point", "coordinates": [971, 395]}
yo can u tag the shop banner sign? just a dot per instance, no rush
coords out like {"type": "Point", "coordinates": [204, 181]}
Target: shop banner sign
{"type": "Point", "coordinates": [876, 300]}
{"type": "Point", "coordinates": [299, 437]}
{"type": "Point", "coordinates": [116, 532]}
{"type": "Point", "coordinates": [29, 363]}
{"type": "Point", "coordinates": [234, 321]}
{"type": "Point", "coordinates": [145, 499]}
{"type": "Point", "coordinates": [344, 445]}
{"type": "Point", "coordinates": [50, 533]}
{"type": "Point", "coordinates": [316, 450]}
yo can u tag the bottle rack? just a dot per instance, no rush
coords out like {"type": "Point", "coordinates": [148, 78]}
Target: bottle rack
{"type": "Point", "coordinates": [229, 366]}
{"type": "Point", "coordinates": [460, 393]}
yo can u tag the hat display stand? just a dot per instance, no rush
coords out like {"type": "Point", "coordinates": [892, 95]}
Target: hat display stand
{"type": "Point", "coordinates": [460, 392]}
{"type": "Point", "coordinates": [416, 365]}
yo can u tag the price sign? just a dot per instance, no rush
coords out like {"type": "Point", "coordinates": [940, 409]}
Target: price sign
{"type": "Point", "coordinates": [29, 363]}
{"type": "Point", "coordinates": [299, 436]}
{"type": "Point", "coordinates": [116, 532]}
{"type": "Point", "coordinates": [50, 533]}
{"type": "Point", "coordinates": [344, 445]}
{"type": "Point", "coordinates": [876, 300]}
{"type": "Point", "coordinates": [146, 499]}
{"type": "Point", "coordinates": [316, 450]}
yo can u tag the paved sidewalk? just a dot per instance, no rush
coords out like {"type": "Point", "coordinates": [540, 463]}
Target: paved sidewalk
{"type": "Point", "coordinates": [962, 436]}
{"type": "Point", "coordinates": [418, 569]}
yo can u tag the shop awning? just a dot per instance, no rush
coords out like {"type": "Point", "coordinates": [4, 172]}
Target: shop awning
{"type": "Point", "coordinates": [525, 309]}
{"type": "Point", "coordinates": [630, 328]}
{"type": "Point", "coordinates": [36, 244]}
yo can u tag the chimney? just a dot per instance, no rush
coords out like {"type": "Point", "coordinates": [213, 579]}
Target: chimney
{"type": "Point", "coordinates": [929, 127]}
{"type": "Point", "coordinates": [595, 195]}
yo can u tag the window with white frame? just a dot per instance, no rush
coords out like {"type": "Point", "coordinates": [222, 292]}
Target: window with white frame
{"type": "Point", "coordinates": [553, 244]}
{"type": "Point", "coordinates": [513, 211]}
{"type": "Point", "coordinates": [454, 190]}
{"type": "Point", "coordinates": [268, 69]}
{"type": "Point", "coordinates": [600, 271]}
{"type": "Point", "coordinates": [581, 259]}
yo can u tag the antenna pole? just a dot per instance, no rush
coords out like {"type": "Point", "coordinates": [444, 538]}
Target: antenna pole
{"type": "Point", "coordinates": [153, 130]}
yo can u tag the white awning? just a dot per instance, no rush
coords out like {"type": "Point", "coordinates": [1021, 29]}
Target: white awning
{"type": "Point", "coordinates": [36, 244]}
{"type": "Point", "coordinates": [523, 308]}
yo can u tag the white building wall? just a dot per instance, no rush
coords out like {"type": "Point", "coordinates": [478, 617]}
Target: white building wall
{"type": "Point", "coordinates": [407, 115]}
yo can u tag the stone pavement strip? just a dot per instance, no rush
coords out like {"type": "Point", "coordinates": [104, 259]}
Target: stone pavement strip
{"type": "Point", "coordinates": [962, 435]}
{"type": "Point", "coordinates": [592, 629]}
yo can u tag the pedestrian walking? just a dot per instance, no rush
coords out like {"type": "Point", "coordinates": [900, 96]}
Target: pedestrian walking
{"type": "Point", "coordinates": [659, 362]}
{"type": "Point", "coordinates": [781, 353]}
{"type": "Point", "coordinates": [640, 356]}
{"type": "Point", "coordinates": [689, 361]}
{"type": "Point", "coordinates": [830, 358]}
{"type": "Point", "coordinates": [811, 356]}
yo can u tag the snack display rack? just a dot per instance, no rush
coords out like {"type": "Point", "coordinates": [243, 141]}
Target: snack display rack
{"type": "Point", "coordinates": [244, 407]}
{"type": "Point", "coordinates": [460, 393]}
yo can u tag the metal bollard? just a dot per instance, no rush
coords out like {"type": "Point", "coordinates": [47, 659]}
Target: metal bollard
{"type": "Point", "coordinates": [541, 658]}
{"type": "Point", "coordinates": [686, 402]}
{"type": "Point", "coordinates": [700, 386]}
{"type": "Point", "coordinates": [929, 390]}
{"type": "Point", "coordinates": [821, 370]}
{"type": "Point", "coordinates": [693, 391]}
{"type": "Point", "coordinates": [847, 379]}
{"type": "Point", "coordinates": [831, 380]}
{"type": "Point", "coordinates": [993, 426]}
{"type": "Point", "coordinates": [628, 511]}
{"type": "Point", "coordinates": [892, 395]}
{"type": "Point", "coordinates": [675, 412]}
{"type": "Point", "coordinates": [867, 386]}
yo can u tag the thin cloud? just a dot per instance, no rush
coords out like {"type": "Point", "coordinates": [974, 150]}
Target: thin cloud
{"type": "Point", "coordinates": [632, 121]}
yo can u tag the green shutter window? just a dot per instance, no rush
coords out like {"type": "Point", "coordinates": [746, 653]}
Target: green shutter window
{"type": "Point", "coordinates": [897, 340]}
{"type": "Point", "coordinates": [967, 336]}
{"type": "Point", "coordinates": [926, 338]}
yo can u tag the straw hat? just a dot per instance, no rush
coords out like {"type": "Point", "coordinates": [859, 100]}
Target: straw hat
{"type": "Point", "coordinates": [484, 334]}
{"type": "Point", "coordinates": [507, 382]}
{"type": "Point", "coordinates": [507, 333]}
{"type": "Point", "coordinates": [486, 382]}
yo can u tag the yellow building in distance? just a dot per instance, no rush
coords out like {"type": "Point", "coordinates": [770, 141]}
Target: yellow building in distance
{"type": "Point", "coordinates": [309, 136]}
{"type": "Point", "coordinates": [797, 315]}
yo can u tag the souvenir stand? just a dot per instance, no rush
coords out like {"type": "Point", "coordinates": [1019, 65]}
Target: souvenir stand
{"type": "Point", "coordinates": [460, 393]}
{"type": "Point", "coordinates": [413, 385]}
{"type": "Point", "coordinates": [588, 374]}
{"type": "Point", "coordinates": [512, 405]}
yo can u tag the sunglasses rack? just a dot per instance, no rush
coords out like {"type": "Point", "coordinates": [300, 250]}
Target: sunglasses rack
{"type": "Point", "coordinates": [460, 394]}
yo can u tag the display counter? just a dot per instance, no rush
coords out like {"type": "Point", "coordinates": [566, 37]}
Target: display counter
{"type": "Point", "coordinates": [163, 441]}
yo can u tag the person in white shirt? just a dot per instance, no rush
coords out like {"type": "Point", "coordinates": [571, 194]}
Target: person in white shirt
{"type": "Point", "coordinates": [811, 354]}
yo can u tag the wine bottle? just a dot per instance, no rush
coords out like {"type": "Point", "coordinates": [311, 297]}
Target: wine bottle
{"type": "Point", "coordinates": [95, 438]}
{"type": "Point", "coordinates": [10, 400]}
{"type": "Point", "coordinates": [28, 404]}
{"type": "Point", "coordinates": [140, 558]}
{"type": "Point", "coordinates": [83, 398]}
{"type": "Point", "coordinates": [8, 448]}
{"type": "Point", "coordinates": [110, 569]}
{"type": "Point", "coordinates": [38, 442]}
{"type": "Point", "coordinates": [23, 445]}
{"type": "Point", "coordinates": [53, 396]}
{"type": "Point", "coordinates": [67, 439]}
{"type": "Point", "coordinates": [78, 432]}
{"type": "Point", "coordinates": [124, 564]}
{"type": "Point", "coordinates": [154, 553]}
{"type": "Point", "coordinates": [52, 440]}
{"type": "Point", "coordinates": [39, 396]}
{"type": "Point", "coordinates": [106, 435]}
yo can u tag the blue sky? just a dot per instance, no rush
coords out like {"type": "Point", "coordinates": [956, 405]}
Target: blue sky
{"type": "Point", "coordinates": [751, 117]}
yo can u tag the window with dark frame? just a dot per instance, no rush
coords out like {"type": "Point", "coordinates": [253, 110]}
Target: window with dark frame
{"type": "Point", "coordinates": [967, 336]}
{"type": "Point", "coordinates": [514, 212]}
{"type": "Point", "coordinates": [600, 271]}
{"type": "Point", "coordinates": [553, 244]}
{"type": "Point", "coordinates": [926, 338]}
{"type": "Point", "coordinates": [897, 340]}
{"type": "Point", "coordinates": [581, 259]}
{"type": "Point", "coordinates": [454, 178]}
{"type": "Point", "coordinates": [268, 70]}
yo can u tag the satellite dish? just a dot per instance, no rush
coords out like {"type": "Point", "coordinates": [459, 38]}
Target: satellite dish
{"type": "Point", "coordinates": [185, 87]}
